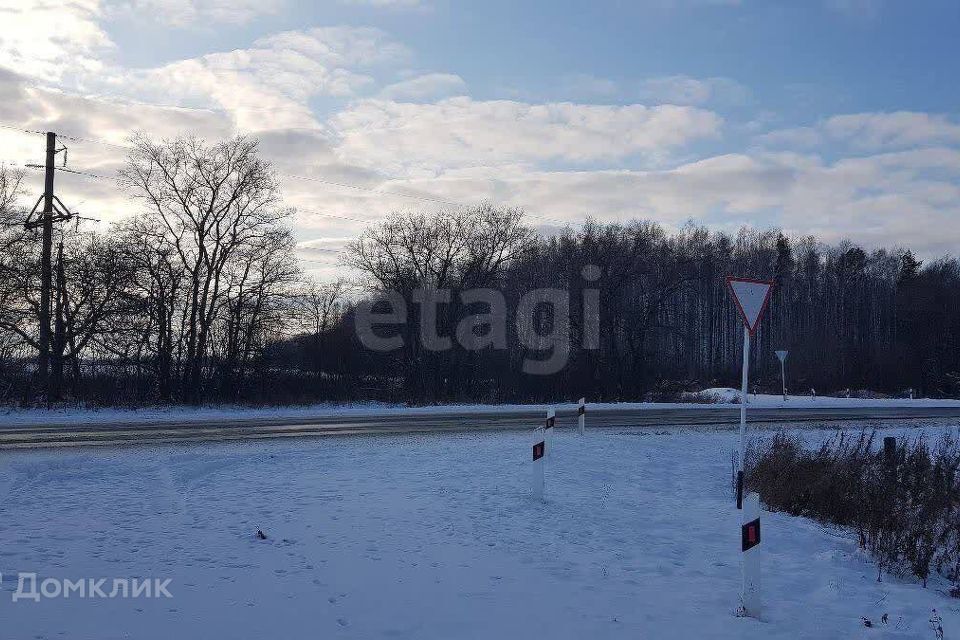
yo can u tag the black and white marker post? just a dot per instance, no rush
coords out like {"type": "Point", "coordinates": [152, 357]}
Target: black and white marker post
{"type": "Point", "coordinates": [582, 416]}
{"type": "Point", "coordinates": [751, 297]}
{"type": "Point", "coordinates": [548, 430]}
{"type": "Point", "coordinates": [750, 550]}
{"type": "Point", "coordinates": [536, 476]}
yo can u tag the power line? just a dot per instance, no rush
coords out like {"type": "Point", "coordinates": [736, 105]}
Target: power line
{"type": "Point", "coordinates": [314, 212]}
{"type": "Point", "coordinates": [73, 171]}
{"type": "Point", "coordinates": [11, 127]}
{"type": "Point", "coordinates": [323, 249]}
{"type": "Point", "coordinates": [97, 141]}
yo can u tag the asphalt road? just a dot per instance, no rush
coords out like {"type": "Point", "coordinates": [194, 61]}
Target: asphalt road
{"type": "Point", "coordinates": [129, 433]}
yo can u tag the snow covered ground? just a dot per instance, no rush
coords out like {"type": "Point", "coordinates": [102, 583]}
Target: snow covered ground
{"type": "Point", "coordinates": [428, 537]}
{"type": "Point", "coordinates": [165, 415]}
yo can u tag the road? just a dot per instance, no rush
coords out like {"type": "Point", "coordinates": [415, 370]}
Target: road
{"type": "Point", "coordinates": [67, 435]}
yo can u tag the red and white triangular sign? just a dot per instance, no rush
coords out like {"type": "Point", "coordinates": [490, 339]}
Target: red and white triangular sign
{"type": "Point", "coordinates": [751, 297]}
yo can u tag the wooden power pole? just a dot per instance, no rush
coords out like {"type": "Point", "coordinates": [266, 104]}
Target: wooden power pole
{"type": "Point", "coordinates": [53, 211]}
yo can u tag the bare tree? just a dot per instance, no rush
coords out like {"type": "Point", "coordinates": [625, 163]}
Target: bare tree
{"type": "Point", "coordinates": [15, 256]}
{"type": "Point", "coordinates": [92, 279]}
{"type": "Point", "coordinates": [156, 290]}
{"type": "Point", "coordinates": [10, 192]}
{"type": "Point", "coordinates": [320, 306]}
{"type": "Point", "coordinates": [449, 251]}
{"type": "Point", "coordinates": [257, 290]}
{"type": "Point", "coordinates": [19, 275]}
{"type": "Point", "coordinates": [212, 201]}
{"type": "Point", "coordinates": [452, 249]}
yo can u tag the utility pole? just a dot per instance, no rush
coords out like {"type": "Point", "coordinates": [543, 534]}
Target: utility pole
{"type": "Point", "coordinates": [46, 268]}
{"type": "Point", "coordinates": [53, 210]}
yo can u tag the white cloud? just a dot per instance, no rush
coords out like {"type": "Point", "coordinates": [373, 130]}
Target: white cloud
{"type": "Point", "coordinates": [870, 132]}
{"type": "Point", "coordinates": [794, 137]}
{"type": "Point", "coordinates": [682, 89]}
{"type": "Point", "coordinates": [52, 40]}
{"type": "Point", "coordinates": [87, 123]}
{"type": "Point", "coordinates": [64, 44]}
{"type": "Point", "coordinates": [429, 86]}
{"type": "Point", "coordinates": [268, 86]}
{"type": "Point", "coordinates": [457, 132]}
{"type": "Point", "coordinates": [904, 198]}
{"type": "Point", "coordinates": [892, 130]}
{"type": "Point", "coordinates": [339, 46]}
{"type": "Point", "coordinates": [675, 89]}
{"type": "Point", "coordinates": [196, 13]}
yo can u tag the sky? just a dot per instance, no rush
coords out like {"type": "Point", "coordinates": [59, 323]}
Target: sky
{"type": "Point", "coordinates": [837, 118]}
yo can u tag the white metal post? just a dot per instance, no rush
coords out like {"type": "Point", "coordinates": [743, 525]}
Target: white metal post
{"type": "Point", "coordinates": [536, 469]}
{"type": "Point", "coordinates": [548, 431]}
{"type": "Point", "coordinates": [582, 416]}
{"type": "Point", "coordinates": [750, 559]}
{"type": "Point", "coordinates": [743, 393]}
{"type": "Point", "coordinates": [783, 378]}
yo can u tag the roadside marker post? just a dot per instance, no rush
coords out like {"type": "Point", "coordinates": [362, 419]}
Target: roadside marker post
{"type": "Point", "coordinates": [752, 298]}
{"type": "Point", "coordinates": [548, 430]}
{"type": "Point", "coordinates": [536, 476]}
{"type": "Point", "coordinates": [582, 416]}
{"type": "Point", "coordinates": [750, 548]}
{"type": "Point", "coordinates": [782, 356]}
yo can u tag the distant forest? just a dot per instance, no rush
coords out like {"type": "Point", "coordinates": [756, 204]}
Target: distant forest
{"type": "Point", "coordinates": [197, 297]}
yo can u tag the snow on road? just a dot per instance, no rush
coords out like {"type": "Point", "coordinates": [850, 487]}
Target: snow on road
{"type": "Point", "coordinates": [427, 537]}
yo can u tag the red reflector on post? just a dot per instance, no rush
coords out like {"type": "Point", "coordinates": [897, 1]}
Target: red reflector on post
{"type": "Point", "coordinates": [538, 451]}
{"type": "Point", "coordinates": [750, 535]}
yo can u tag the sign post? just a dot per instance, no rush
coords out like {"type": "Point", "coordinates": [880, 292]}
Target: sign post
{"type": "Point", "coordinates": [744, 381]}
{"type": "Point", "coordinates": [582, 416]}
{"type": "Point", "coordinates": [782, 355]}
{"type": "Point", "coordinates": [752, 298]}
{"type": "Point", "coordinates": [536, 476]}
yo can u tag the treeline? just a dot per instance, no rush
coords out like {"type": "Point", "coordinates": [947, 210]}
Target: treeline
{"type": "Point", "coordinates": [851, 320]}
{"type": "Point", "coordinates": [197, 297]}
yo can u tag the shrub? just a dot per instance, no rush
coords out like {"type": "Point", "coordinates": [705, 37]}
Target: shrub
{"type": "Point", "coordinates": [904, 504]}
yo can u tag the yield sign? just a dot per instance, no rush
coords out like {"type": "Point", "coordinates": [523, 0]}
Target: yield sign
{"type": "Point", "coordinates": [751, 297]}
{"type": "Point", "coordinates": [782, 355]}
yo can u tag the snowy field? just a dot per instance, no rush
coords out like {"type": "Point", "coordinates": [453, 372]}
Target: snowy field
{"type": "Point", "coordinates": [723, 399]}
{"type": "Point", "coordinates": [428, 537]}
